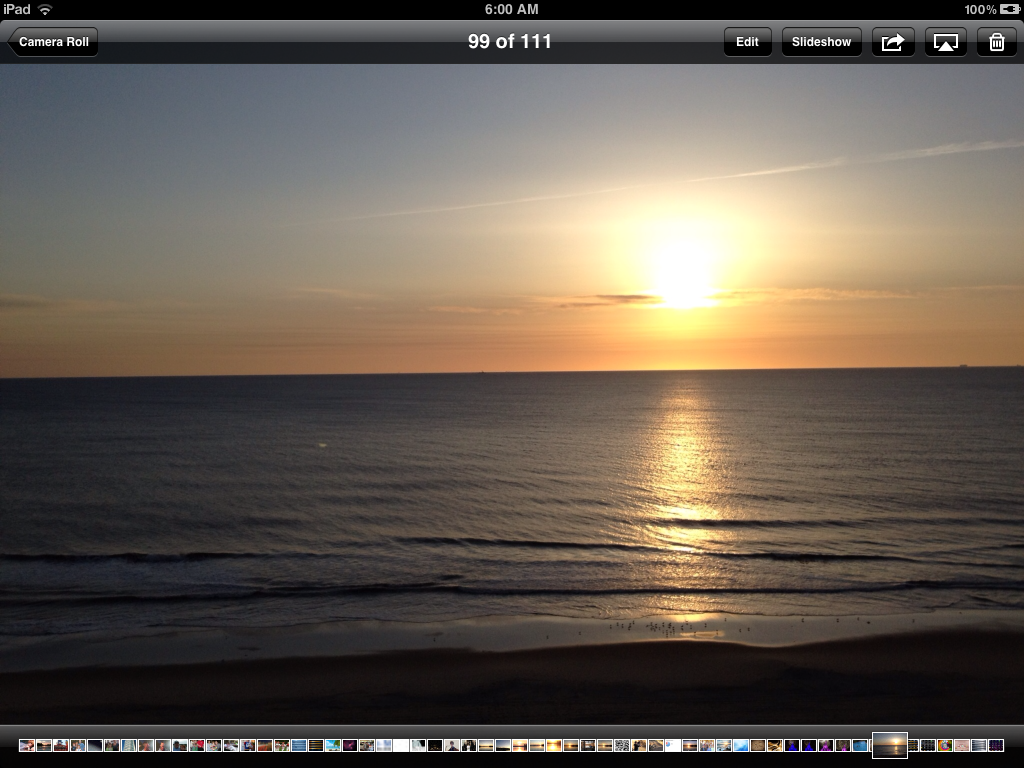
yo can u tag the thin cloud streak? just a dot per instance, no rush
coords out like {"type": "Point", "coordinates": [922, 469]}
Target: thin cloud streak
{"type": "Point", "coordinates": [23, 301]}
{"type": "Point", "coordinates": [790, 295]}
{"type": "Point", "coordinates": [469, 207]}
{"type": "Point", "coordinates": [471, 310]}
{"type": "Point", "coordinates": [888, 157]}
{"type": "Point", "coordinates": [835, 162]}
{"type": "Point", "coordinates": [336, 293]}
{"type": "Point", "coordinates": [794, 295]}
{"type": "Point", "coordinates": [599, 300]}
{"type": "Point", "coordinates": [612, 300]}
{"type": "Point", "coordinates": [13, 302]}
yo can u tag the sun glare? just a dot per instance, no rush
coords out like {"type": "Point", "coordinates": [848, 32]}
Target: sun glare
{"type": "Point", "coordinates": [682, 274]}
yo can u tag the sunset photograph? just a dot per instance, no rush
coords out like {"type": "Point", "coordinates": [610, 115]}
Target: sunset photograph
{"type": "Point", "coordinates": [888, 745]}
{"type": "Point", "coordinates": [512, 394]}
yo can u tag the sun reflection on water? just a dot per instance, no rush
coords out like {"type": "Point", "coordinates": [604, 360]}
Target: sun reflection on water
{"type": "Point", "coordinates": [684, 471]}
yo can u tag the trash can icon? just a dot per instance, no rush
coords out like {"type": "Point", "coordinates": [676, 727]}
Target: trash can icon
{"type": "Point", "coordinates": [996, 42]}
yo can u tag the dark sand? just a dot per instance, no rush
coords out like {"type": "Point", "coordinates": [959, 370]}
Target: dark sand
{"type": "Point", "coordinates": [936, 677]}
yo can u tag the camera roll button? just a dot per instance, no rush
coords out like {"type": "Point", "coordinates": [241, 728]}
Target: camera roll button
{"type": "Point", "coordinates": [55, 41]}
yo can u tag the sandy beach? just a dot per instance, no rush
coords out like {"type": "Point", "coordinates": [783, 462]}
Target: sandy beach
{"type": "Point", "coordinates": [953, 676]}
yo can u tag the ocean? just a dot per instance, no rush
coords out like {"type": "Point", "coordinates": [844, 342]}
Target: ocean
{"type": "Point", "coordinates": [141, 503]}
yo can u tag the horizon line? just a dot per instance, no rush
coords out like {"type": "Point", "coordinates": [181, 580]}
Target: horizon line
{"type": "Point", "coordinates": [512, 372]}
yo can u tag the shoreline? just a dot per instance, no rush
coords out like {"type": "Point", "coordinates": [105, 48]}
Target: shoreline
{"type": "Point", "coordinates": [190, 646]}
{"type": "Point", "coordinates": [931, 676]}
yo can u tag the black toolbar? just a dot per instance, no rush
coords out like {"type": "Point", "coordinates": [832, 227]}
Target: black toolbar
{"type": "Point", "coordinates": [511, 40]}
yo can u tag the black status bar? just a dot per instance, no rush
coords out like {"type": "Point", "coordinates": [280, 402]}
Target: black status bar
{"type": "Point", "coordinates": [412, 31]}
{"type": "Point", "coordinates": [64, 10]}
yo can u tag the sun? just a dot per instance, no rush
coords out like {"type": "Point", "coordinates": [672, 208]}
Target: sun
{"type": "Point", "coordinates": [683, 273]}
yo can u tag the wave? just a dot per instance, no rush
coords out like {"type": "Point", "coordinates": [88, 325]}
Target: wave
{"type": "Point", "coordinates": [874, 522]}
{"type": "Point", "coordinates": [798, 557]}
{"type": "Point", "coordinates": [526, 543]}
{"type": "Point", "coordinates": [148, 557]}
{"type": "Point", "coordinates": [19, 598]}
{"type": "Point", "coordinates": [810, 557]}
{"type": "Point", "coordinates": [152, 557]}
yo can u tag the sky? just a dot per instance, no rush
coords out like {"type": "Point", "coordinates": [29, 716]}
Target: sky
{"type": "Point", "coordinates": [183, 220]}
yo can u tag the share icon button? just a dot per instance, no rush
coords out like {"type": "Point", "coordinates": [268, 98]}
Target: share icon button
{"type": "Point", "coordinates": [892, 41]}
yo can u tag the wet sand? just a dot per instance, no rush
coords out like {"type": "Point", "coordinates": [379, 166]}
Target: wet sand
{"type": "Point", "coordinates": [198, 645]}
{"type": "Point", "coordinates": [954, 676]}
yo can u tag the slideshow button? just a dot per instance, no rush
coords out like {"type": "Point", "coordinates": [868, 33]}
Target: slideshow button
{"type": "Point", "coordinates": [748, 41]}
{"type": "Point", "coordinates": [55, 41]}
{"type": "Point", "coordinates": [821, 41]}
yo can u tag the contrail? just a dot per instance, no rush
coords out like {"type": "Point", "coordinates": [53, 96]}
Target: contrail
{"type": "Point", "coordinates": [888, 157]}
{"type": "Point", "coordinates": [836, 162]}
{"type": "Point", "coordinates": [470, 206]}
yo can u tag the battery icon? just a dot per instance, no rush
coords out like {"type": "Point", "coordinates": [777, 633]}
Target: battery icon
{"type": "Point", "coordinates": [1009, 9]}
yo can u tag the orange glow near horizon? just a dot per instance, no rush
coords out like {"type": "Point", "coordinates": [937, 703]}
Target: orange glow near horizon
{"type": "Point", "coordinates": [755, 329]}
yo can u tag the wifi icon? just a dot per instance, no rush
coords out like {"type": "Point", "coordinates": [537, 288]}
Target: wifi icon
{"type": "Point", "coordinates": [45, 8]}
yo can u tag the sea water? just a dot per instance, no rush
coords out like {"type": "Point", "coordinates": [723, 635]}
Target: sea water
{"type": "Point", "coordinates": [141, 503]}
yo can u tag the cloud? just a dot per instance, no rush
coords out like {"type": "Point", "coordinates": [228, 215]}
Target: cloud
{"type": "Point", "coordinates": [469, 310]}
{"type": "Point", "coordinates": [14, 302]}
{"type": "Point", "coordinates": [337, 293]}
{"type": "Point", "coordinates": [949, 149]}
{"type": "Point", "coordinates": [533, 304]}
{"type": "Point", "coordinates": [468, 206]}
{"type": "Point", "coordinates": [607, 300]}
{"type": "Point", "coordinates": [794, 295]}
{"type": "Point", "coordinates": [629, 298]}
{"type": "Point", "coordinates": [940, 150]}
{"type": "Point", "coordinates": [791, 295]}
{"type": "Point", "coordinates": [459, 310]}
{"type": "Point", "coordinates": [887, 157]}
{"type": "Point", "coordinates": [972, 288]}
